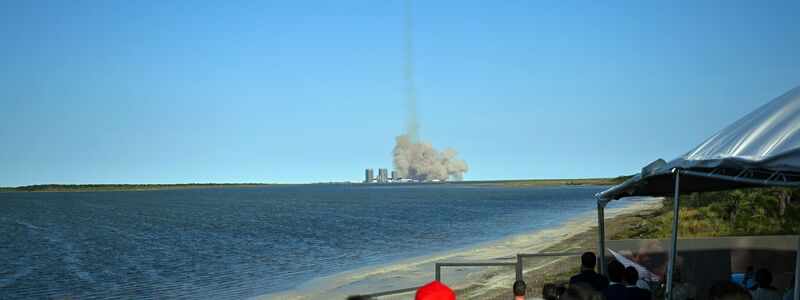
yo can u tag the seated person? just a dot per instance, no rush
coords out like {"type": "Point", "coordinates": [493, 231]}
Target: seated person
{"type": "Point", "coordinates": [632, 291]}
{"type": "Point", "coordinates": [435, 290]}
{"type": "Point", "coordinates": [519, 290]}
{"type": "Point", "coordinates": [764, 289]}
{"type": "Point", "coordinates": [728, 290]}
{"type": "Point", "coordinates": [581, 291]}
{"type": "Point", "coordinates": [588, 275]}
{"type": "Point", "coordinates": [616, 289]}
{"type": "Point", "coordinates": [549, 291]}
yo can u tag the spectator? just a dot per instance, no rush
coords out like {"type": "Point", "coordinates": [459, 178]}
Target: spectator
{"type": "Point", "coordinates": [549, 291]}
{"type": "Point", "coordinates": [764, 289]}
{"type": "Point", "coordinates": [519, 290]}
{"type": "Point", "coordinates": [680, 290]}
{"type": "Point", "coordinates": [435, 290]}
{"type": "Point", "coordinates": [616, 289]}
{"type": "Point", "coordinates": [588, 275]}
{"type": "Point", "coordinates": [581, 291]}
{"type": "Point", "coordinates": [728, 290]}
{"type": "Point", "coordinates": [631, 290]}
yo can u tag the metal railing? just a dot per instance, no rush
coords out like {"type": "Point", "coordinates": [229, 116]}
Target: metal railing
{"type": "Point", "coordinates": [538, 269]}
{"type": "Point", "coordinates": [470, 264]}
{"type": "Point", "coordinates": [547, 268]}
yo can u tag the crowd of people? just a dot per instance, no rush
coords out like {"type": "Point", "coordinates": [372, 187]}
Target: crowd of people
{"type": "Point", "coordinates": [624, 283]}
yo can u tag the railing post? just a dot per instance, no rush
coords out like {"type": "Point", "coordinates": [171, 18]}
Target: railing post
{"type": "Point", "coordinates": [519, 267]}
{"type": "Point", "coordinates": [601, 241]}
{"type": "Point", "coordinates": [438, 272]}
{"type": "Point", "coordinates": [674, 247]}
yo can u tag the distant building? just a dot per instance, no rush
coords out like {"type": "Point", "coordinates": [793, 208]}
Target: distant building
{"type": "Point", "coordinates": [370, 176]}
{"type": "Point", "coordinates": [383, 175]}
{"type": "Point", "coordinates": [394, 176]}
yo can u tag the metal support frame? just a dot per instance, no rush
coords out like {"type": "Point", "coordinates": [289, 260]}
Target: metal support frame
{"type": "Point", "coordinates": [743, 175]}
{"type": "Point", "coordinates": [601, 240]}
{"type": "Point", "coordinates": [775, 179]}
{"type": "Point", "coordinates": [674, 242]}
{"type": "Point", "coordinates": [796, 295]}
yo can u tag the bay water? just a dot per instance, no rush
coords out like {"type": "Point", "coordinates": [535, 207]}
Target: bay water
{"type": "Point", "coordinates": [236, 243]}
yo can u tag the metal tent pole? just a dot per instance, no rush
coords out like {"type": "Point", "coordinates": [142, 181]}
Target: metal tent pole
{"type": "Point", "coordinates": [674, 241]}
{"type": "Point", "coordinates": [601, 228]}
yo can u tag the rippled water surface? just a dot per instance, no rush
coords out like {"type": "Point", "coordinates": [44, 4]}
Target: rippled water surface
{"type": "Point", "coordinates": [243, 242]}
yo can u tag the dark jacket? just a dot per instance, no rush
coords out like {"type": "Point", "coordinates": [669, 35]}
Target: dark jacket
{"type": "Point", "coordinates": [599, 282]}
{"type": "Point", "coordinates": [615, 292]}
{"type": "Point", "coordinates": [635, 293]}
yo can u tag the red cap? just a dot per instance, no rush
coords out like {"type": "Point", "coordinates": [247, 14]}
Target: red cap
{"type": "Point", "coordinates": [435, 290]}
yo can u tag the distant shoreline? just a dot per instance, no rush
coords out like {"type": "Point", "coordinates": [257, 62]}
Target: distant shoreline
{"type": "Point", "coordinates": [180, 186]}
{"type": "Point", "coordinates": [549, 182]}
{"type": "Point", "coordinates": [125, 187]}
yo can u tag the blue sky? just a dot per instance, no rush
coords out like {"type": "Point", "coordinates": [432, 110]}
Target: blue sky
{"type": "Point", "coordinates": [310, 91]}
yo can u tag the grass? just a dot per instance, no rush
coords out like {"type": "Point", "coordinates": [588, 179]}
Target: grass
{"type": "Point", "coordinates": [750, 212]}
{"type": "Point", "coordinates": [554, 182]}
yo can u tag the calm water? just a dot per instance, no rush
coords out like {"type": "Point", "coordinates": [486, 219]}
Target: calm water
{"type": "Point", "coordinates": [243, 242]}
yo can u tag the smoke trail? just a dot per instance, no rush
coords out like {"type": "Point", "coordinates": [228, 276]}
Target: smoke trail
{"type": "Point", "coordinates": [412, 118]}
{"type": "Point", "coordinates": [414, 159]}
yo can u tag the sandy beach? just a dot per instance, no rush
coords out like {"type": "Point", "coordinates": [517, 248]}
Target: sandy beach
{"type": "Point", "coordinates": [578, 234]}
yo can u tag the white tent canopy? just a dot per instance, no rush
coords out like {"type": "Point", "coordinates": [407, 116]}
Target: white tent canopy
{"type": "Point", "coordinates": [760, 149]}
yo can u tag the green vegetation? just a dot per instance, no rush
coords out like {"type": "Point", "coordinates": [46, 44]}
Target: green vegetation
{"type": "Point", "coordinates": [554, 182]}
{"type": "Point", "coordinates": [123, 187]}
{"type": "Point", "coordinates": [761, 211]}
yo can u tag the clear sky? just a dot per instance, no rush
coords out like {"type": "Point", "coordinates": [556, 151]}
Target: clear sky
{"type": "Point", "coordinates": [310, 91]}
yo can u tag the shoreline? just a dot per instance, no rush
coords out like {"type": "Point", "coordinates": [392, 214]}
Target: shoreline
{"type": "Point", "coordinates": [82, 188]}
{"type": "Point", "coordinates": [570, 235]}
{"type": "Point", "coordinates": [121, 187]}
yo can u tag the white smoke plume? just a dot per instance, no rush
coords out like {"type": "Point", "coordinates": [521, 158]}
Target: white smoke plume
{"type": "Point", "coordinates": [415, 159]}
{"type": "Point", "coordinates": [419, 160]}
{"type": "Point", "coordinates": [412, 119]}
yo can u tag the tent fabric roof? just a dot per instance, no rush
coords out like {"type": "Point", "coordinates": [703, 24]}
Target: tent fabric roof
{"type": "Point", "coordinates": [761, 143]}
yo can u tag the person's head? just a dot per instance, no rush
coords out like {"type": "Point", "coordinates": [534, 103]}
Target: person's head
{"type": "Point", "coordinates": [519, 288]}
{"type": "Point", "coordinates": [588, 260]}
{"type": "Point", "coordinates": [631, 276]}
{"type": "Point", "coordinates": [581, 291]}
{"type": "Point", "coordinates": [763, 278]}
{"type": "Point", "coordinates": [358, 297]}
{"type": "Point", "coordinates": [728, 290]}
{"type": "Point", "coordinates": [549, 291]}
{"type": "Point", "coordinates": [616, 270]}
{"type": "Point", "coordinates": [435, 290]}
